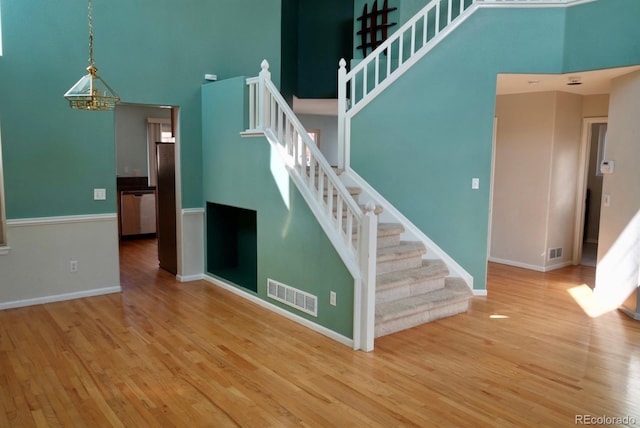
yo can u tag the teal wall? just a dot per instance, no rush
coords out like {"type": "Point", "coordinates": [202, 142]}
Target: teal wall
{"type": "Point", "coordinates": [324, 36]}
{"type": "Point", "coordinates": [289, 50]}
{"type": "Point", "coordinates": [424, 138]}
{"type": "Point", "coordinates": [292, 247]}
{"type": "Point", "coordinates": [597, 37]}
{"type": "Point", "coordinates": [149, 51]}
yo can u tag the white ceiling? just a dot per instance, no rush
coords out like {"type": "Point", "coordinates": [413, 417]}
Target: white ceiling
{"type": "Point", "coordinates": [593, 82]}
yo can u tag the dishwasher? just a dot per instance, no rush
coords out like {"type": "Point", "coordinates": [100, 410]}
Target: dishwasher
{"type": "Point", "coordinates": [138, 212]}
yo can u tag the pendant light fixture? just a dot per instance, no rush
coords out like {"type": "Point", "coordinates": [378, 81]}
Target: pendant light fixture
{"type": "Point", "coordinates": [91, 92]}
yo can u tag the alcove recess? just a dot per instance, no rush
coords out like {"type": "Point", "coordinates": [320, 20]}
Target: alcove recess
{"type": "Point", "coordinates": [232, 249]}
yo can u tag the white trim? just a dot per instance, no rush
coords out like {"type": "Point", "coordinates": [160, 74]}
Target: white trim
{"type": "Point", "coordinates": [494, 143]}
{"type": "Point", "coordinates": [630, 313]}
{"type": "Point", "coordinates": [161, 120]}
{"type": "Point", "coordinates": [4, 250]}
{"type": "Point", "coordinates": [193, 211]}
{"type": "Point", "coordinates": [530, 3]}
{"type": "Point", "coordinates": [36, 221]}
{"type": "Point", "coordinates": [480, 293]}
{"type": "Point", "coordinates": [175, 120]}
{"type": "Point", "coordinates": [61, 297]}
{"type": "Point", "coordinates": [273, 308]}
{"type": "Point", "coordinates": [529, 266]}
{"type": "Point", "coordinates": [189, 278]}
{"type": "Point", "coordinates": [581, 191]}
{"type": "Point", "coordinates": [388, 208]}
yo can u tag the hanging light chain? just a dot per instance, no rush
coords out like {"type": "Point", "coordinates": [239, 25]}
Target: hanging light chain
{"type": "Point", "coordinates": [91, 61]}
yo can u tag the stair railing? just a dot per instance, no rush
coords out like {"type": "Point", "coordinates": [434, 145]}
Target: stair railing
{"type": "Point", "coordinates": [386, 63]}
{"type": "Point", "coordinates": [391, 59]}
{"type": "Point", "coordinates": [352, 232]}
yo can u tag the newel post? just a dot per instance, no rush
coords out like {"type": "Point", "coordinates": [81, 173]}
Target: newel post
{"type": "Point", "coordinates": [342, 111]}
{"type": "Point", "coordinates": [263, 99]}
{"type": "Point", "coordinates": [368, 252]}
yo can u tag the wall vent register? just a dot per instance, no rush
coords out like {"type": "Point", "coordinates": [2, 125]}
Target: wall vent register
{"type": "Point", "coordinates": [293, 297]}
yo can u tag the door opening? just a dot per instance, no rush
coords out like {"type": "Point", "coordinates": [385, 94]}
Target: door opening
{"type": "Point", "coordinates": [590, 192]}
{"type": "Point", "coordinates": [148, 194]}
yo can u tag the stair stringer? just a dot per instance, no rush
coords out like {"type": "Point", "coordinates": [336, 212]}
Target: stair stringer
{"type": "Point", "coordinates": [412, 232]}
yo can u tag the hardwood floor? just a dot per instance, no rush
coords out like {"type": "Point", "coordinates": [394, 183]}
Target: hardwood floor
{"type": "Point", "coordinates": [167, 354]}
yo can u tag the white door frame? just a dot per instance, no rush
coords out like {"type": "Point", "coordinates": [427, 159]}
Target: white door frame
{"type": "Point", "coordinates": [493, 171]}
{"type": "Point", "coordinates": [581, 194]}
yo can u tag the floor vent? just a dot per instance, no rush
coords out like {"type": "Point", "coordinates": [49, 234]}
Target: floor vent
{"type": "Point", "coordinates": [288, 295]}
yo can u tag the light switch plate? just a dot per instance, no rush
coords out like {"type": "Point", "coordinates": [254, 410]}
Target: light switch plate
{"type": "Point", "coordinates": [475, 183]}
{"type": "Point", "coordinates": [99, 194]}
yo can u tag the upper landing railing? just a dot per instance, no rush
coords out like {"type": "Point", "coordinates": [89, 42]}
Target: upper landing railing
{"type": "Point", "coordinates": [404, 48]}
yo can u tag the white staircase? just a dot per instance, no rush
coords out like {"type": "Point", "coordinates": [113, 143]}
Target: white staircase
{"type": "Point", "coordinates": [410, 290]}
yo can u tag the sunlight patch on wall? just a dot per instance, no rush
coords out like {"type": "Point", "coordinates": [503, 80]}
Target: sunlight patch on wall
{"type": "Point", "coordinates": [617, 274]}
{"type": "Point", "coordinates": [280, 176]}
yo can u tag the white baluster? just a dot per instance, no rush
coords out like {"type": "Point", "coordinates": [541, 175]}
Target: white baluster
{"type": "Point", "coordinates": [437, 29]}
{"type": "Point", "coordinates": [413, 39]}
{"type": "Point", "coordinates": [342, 110]}
{"type": "Point", "coordinates": [252, 106]}
{"type": "Point", "coordinates": [425, 29]}
{"type": "Point", "coordinates": [449, 12]}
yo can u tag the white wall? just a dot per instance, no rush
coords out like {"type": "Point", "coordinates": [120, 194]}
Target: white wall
{"type": "Point", "coordinates": [37, 270]}
{"type": "Point", "coordinates": [131, 137]}
{"type": "Point", "coordinates": [536, 168]}
{"type": "Point", "coordinates": [618, 270]}
{"type": "Point", "coordinates": [521, 179]}
{"type": "Point", "coordinates": [328, 126]}
{"type": "Point", "coordinates": [595, 105]}
{"type": "Point", "coordinates": [563, 187]}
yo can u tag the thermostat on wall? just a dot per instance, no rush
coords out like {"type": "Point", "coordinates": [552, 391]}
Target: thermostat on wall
{"type": "Point", "coordinates": [607, 167]}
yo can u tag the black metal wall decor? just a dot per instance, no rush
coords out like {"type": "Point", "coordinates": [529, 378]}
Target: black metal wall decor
{"type": "Point", "coordinates": [374, 26]}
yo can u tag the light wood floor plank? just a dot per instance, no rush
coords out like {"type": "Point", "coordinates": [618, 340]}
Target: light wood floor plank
{"type": "Point", "coordinates": [168, 354]}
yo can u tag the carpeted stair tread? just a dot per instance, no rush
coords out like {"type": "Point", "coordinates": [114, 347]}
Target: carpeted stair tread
{"type": "Point", "coordinates": [405, 249]}
{"type": "Point", "coordinates": [430, 269]}
{"type": "Point", "coordinates": [455, 290]}
{"type": "Point", "coordinates": [387, 229]}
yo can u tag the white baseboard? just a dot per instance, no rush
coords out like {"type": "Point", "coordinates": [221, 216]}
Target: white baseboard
{"type": "Point", "coordinates": [630, 313]}
{"type": "Point", "coordinates": [189, 278]}
{"type": "Point", "coordinates": [273, 308]}
{"type": "Point", "coordinates": [480, 293]}
{"type": "Point", "coordinates": [61, 297]}
{"type": "Point", "coordinates": [529, 266]}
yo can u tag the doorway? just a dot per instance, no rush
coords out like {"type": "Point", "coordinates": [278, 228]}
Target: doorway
{"type": "Point", "coordinates": [590, 192]}
{"type": "Point", "coordinates": [138, 170]}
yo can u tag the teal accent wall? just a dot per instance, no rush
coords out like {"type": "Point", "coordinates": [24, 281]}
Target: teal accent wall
{"type": "Point", "coordinates": [424, 138]}
{"type": "Point", "coordinates": [290, 44]}
{"type": "Point", "coordinates": [602, 34]}
{"type": "Point", "coordinates": [150, 51]}
{"type": "Point", "coordinates": [292, 247]}
{"type": "Point", "coordinates": [324, 36]}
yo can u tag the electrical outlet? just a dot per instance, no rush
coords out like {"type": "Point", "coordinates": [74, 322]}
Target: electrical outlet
{"type": "Point", "coordinates": [332, 298]}
{"type": "Point", "coordinates": [475, 183]}
{"type": "Point", "coordinates": [73, 266]}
